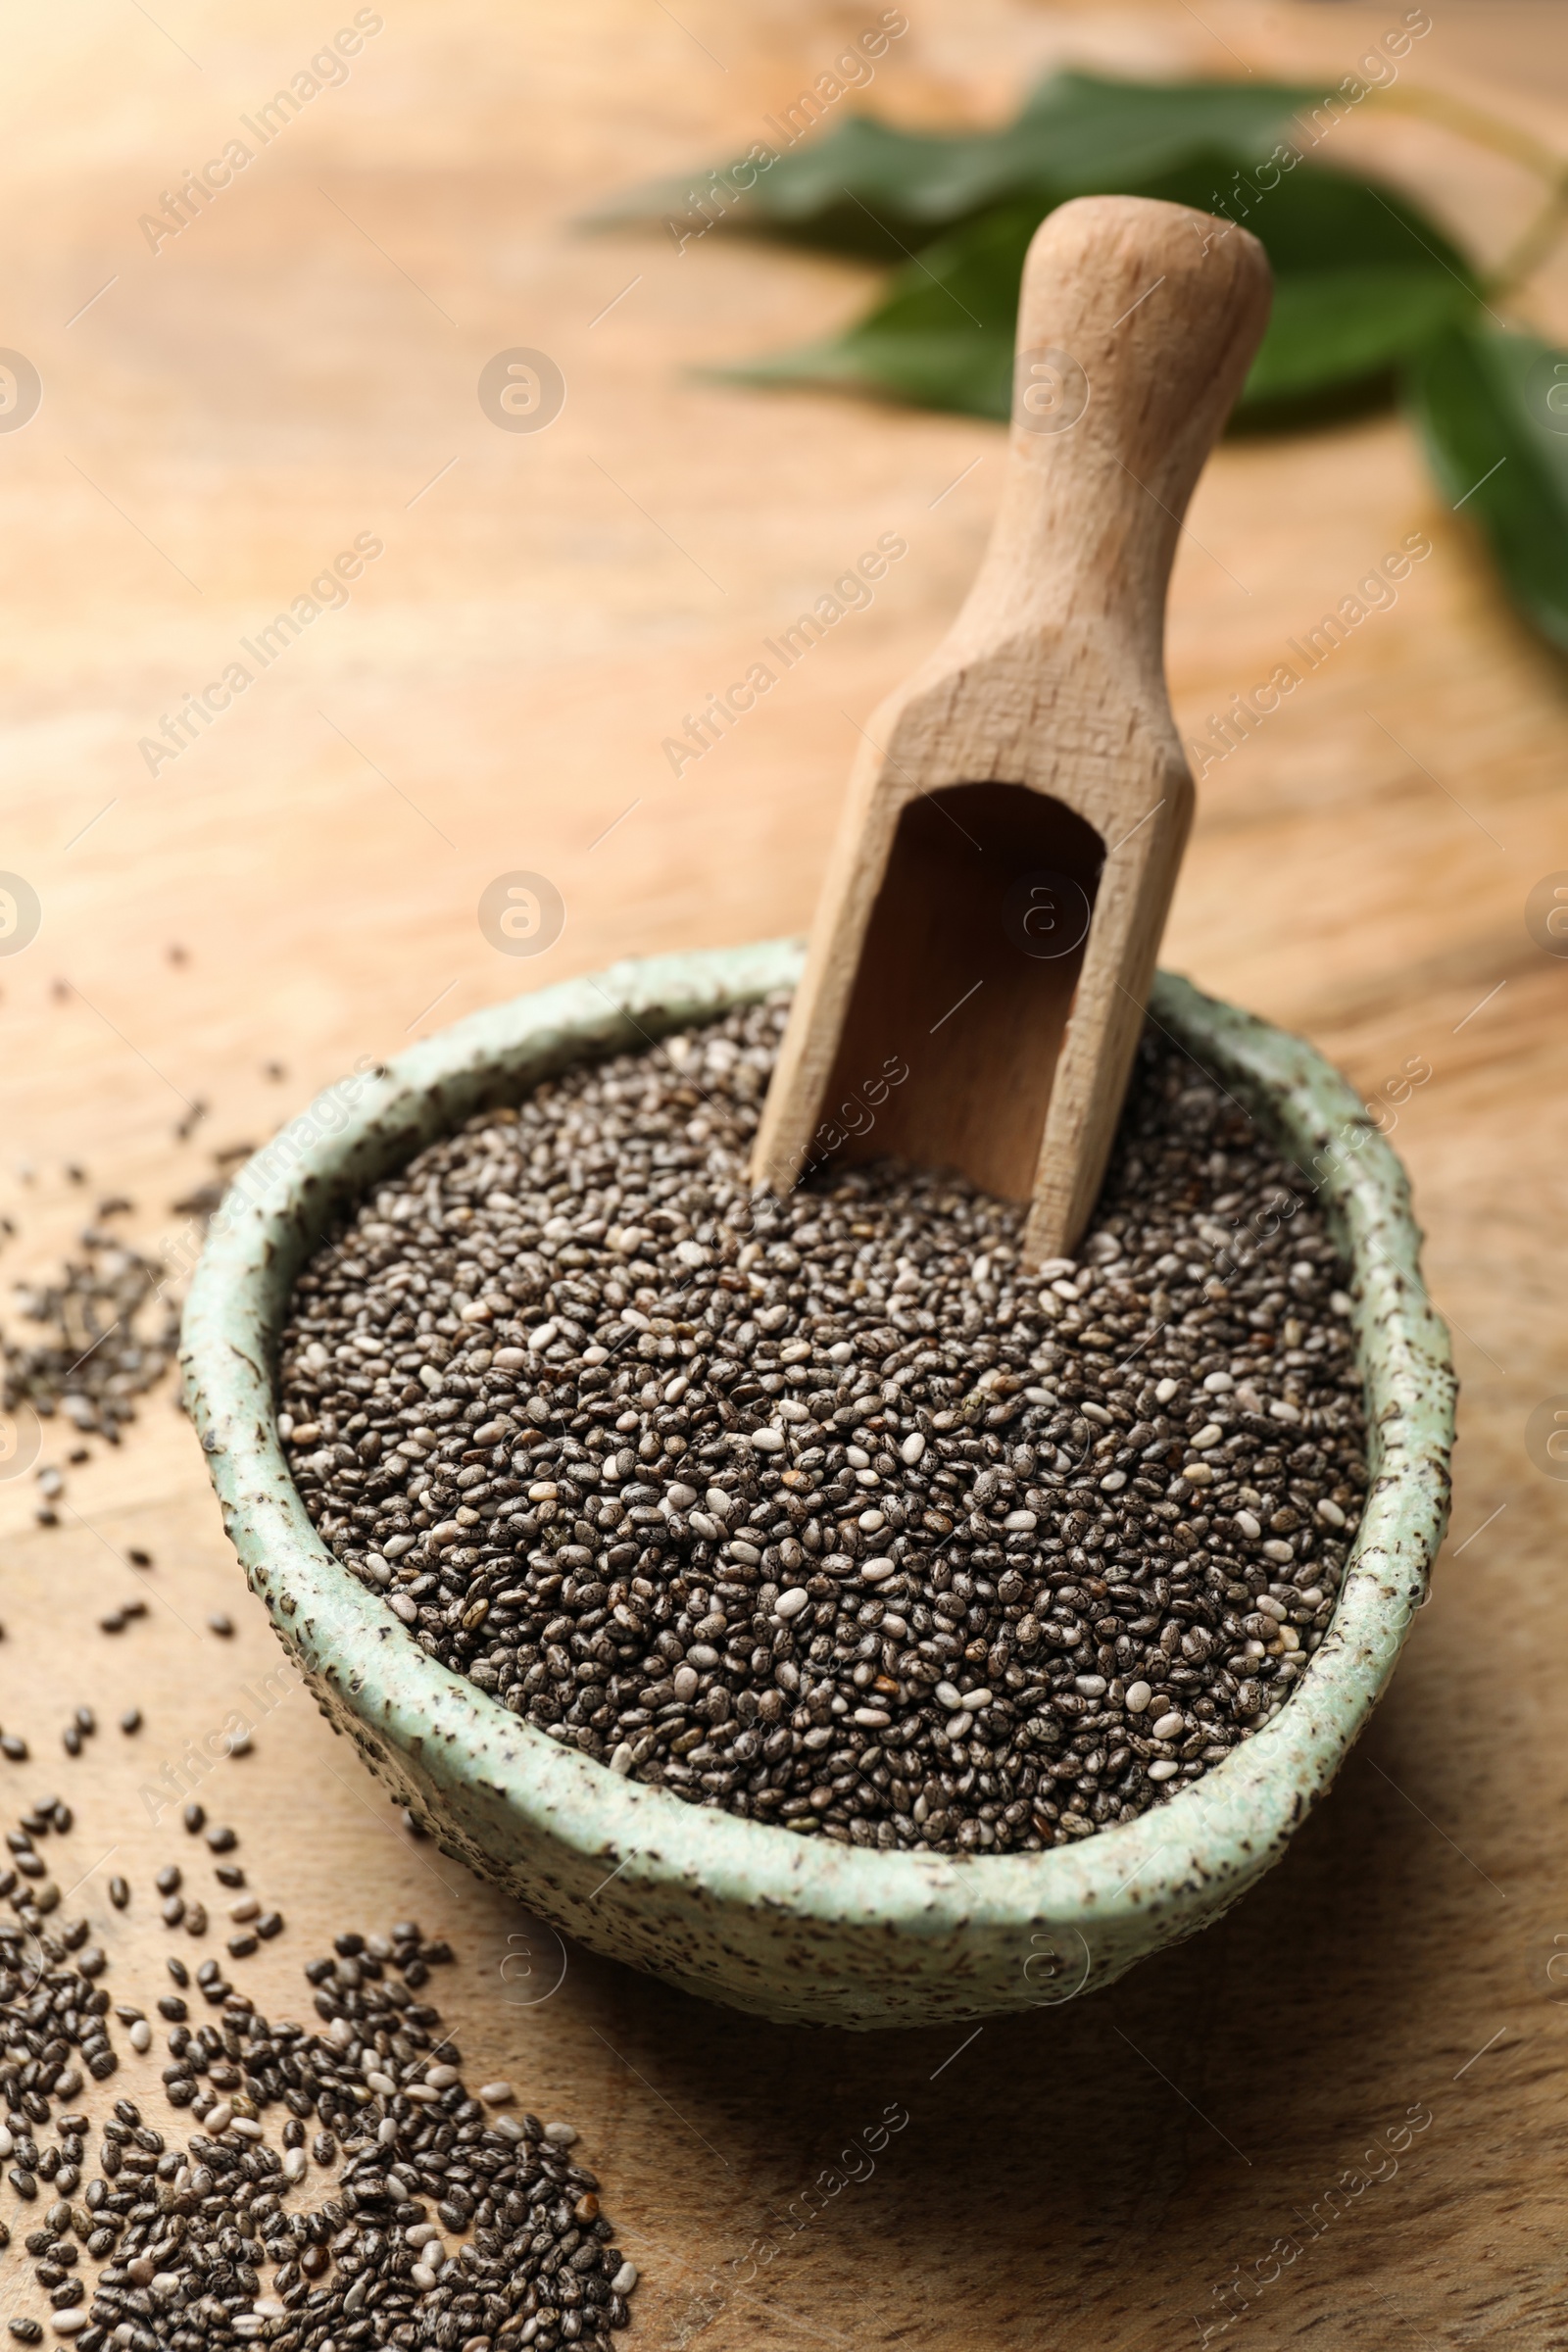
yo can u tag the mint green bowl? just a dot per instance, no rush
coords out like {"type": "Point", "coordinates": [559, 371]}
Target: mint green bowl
{"type": "Point", "coordinates": [808, 1932]}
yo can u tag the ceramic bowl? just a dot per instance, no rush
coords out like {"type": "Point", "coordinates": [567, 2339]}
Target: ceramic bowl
{"type": "Point", "coordinates": [796, 1929]}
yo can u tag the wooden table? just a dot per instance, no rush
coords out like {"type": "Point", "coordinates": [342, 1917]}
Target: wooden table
{"type": "Point", "coordinates": [298, 366]}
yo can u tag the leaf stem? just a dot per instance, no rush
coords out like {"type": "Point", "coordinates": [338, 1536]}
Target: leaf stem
{"type": "Point", "coordinates": [1526, 255]}
{"type": "Point", "coordinates": [1475, 124]}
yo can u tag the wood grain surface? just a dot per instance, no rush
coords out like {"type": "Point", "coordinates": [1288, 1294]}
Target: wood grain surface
{"type": "Point", "coordinates": [297, 367]}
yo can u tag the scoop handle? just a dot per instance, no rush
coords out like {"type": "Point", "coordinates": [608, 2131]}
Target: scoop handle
{"type": "Point", "coordinates": [1043, 716]}
{"type": "Point", "coordinates": [1136, 323]}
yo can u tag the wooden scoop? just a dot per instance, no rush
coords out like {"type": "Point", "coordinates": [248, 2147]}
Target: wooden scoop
{"type": "Point", "coordinates": [988, 930]}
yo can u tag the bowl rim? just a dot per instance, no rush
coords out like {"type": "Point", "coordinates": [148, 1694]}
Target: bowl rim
{"type": "Point", "coordinates": [1195, 1851]}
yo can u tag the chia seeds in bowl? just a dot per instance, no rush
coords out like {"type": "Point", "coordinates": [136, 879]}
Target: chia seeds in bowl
{"type": "Point", "coordinates": [822, 1510]}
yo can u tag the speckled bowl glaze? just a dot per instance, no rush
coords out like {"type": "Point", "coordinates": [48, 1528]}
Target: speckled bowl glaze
{"type": "Point", "coordinates": [801, 1930]}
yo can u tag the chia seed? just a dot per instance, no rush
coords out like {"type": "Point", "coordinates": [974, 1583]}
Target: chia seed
{"type": "Point", "coordinates": [181, 2235]}
{"type": "Point", "coordinates": [110, 1333]}
{"type": "Point", "coordinates": [824, 1511]}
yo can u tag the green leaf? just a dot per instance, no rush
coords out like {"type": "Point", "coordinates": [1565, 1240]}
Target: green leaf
{"type": "Point", "coordinates": [941, 338]}
{"type": "Point", "coordinates": [1362, 282]}
{"type": "Point", "coordinates": [1340, 327]}
{"type": "Point", "coordinates": [866, 187]}
{"type": "Point", "coordinates": [1494, 409]}
{"type": "Point", "coordinates": [1099, 134]}
{"type": "Point", "coordinates": [1317, 219]}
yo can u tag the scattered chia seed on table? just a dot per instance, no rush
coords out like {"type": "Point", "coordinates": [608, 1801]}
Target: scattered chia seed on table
{"type": "Point", "coordinates": [111, 1330]}
{"type": "Point", "coordinates": [182, 2235]}
{"type": "Point", "coordinates": [111, 1333]}
{"type": "Point", "coordinates": [821, 1509]}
